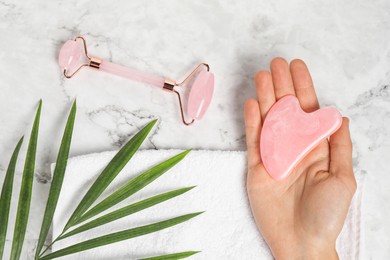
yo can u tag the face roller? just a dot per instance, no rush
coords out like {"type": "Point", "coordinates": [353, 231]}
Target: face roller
{"type": "Point", "coordinates": [200, 80]}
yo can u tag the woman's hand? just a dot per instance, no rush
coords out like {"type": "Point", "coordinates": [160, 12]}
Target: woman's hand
{"type": "Point", "coordinates": [301, 216]}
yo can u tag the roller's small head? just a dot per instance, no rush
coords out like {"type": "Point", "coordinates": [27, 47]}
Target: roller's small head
{"type": "Point", "coordinates": [70, 54]}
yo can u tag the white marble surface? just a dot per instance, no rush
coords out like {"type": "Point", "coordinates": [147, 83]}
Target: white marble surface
{"type": "Point", "coordinates": [345, 44]}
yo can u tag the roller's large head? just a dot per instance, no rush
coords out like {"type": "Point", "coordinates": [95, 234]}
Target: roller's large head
{"type": "Point", "coordinates": [200, 95]}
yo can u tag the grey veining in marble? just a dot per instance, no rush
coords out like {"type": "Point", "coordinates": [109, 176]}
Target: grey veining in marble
{"type": "Point", "coordinates": [346, 44]}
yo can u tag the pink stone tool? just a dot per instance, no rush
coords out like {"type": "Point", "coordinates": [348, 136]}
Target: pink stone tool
{"type": "Point", "coordinates": [200, 80]}
{"type": "Point", "coordinates": [289, 134]}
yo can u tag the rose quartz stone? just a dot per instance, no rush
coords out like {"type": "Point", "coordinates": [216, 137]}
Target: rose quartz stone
{"type": "Point", "coordinates": [289, 134]}
{"type": "Point", "coordinates": [200, 95]}
{"type": "Point", "coordinates": [70, 54]}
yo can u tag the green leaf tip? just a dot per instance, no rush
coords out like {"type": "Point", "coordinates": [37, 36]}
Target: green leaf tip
{"type": "Point", "coordinates": [74, 104]}
{"type": "Point", "coordinates": [197, 213]}
{"type": "Point", "coordinates": [187, 151]}
{"type": "Point", "coordinates": [39, 106]}
{"type": "Point", "coordinates": [38, 113]}
{"type": "Point", "coordinates": [192, 187]}
{"type": "Point", "coordinates": [189, 188]}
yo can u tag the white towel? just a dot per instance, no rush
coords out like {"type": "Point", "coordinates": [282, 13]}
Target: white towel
{"type": "Point", "coordinates": [225, 231]}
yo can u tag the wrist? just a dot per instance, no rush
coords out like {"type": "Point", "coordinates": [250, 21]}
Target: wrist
{"type": "Point", "coordinates": [302, 252]}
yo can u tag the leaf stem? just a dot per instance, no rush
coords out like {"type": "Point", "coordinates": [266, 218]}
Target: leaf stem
{"type": "Point", "coordinates": [52, 243]}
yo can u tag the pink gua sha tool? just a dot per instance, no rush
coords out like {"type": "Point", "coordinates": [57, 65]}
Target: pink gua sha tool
{"type": "Point", "coordinates": [289, 134]}
{"type": "Point", "coordinates": [201, 92]}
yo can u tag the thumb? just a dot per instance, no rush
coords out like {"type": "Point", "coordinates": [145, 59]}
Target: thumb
{"type": "Point", "coordinates": [341, 152]}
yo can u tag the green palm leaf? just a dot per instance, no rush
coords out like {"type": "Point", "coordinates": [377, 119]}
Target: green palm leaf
{"type": "Point", "coordinates": [133, 186]}
{"type": "Point", "coordinates": [58, 177]}
{"type": "Point", "coordinates": [120, 236]}
{"type": "Point", "coordinates": [126, 211]}
{"type": "Point", "coordinates": [83, 211]}
{"type": "Point", "coordinates": [6, 193]}
{"type": "Point", "coordinates": [172, 256]}
{"type": "Point", "coordinates": [109, 173]}
{"type": "Point", "coordinates": [25, 190]}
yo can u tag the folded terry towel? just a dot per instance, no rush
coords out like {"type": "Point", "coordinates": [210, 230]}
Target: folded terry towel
{"type": "Point", "coordinates": [225, 231]}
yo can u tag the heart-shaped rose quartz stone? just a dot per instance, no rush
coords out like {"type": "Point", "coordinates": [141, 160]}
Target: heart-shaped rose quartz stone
{"type": "Point", "coordinates": [69, 56]}
{"type": "Point", "coordinates": [200, 95]}
{"type": "Point", "coordinates": [288, 134]}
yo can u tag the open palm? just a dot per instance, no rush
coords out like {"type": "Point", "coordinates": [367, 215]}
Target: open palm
{"type": "Point", "coordinates": [300, 216]}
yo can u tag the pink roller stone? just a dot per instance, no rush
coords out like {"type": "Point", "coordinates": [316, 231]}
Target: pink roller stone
{"type": "Point", "coordinates": [70, 54]}
{"type": "Point", "coordinates": [200, 95]}
{"type": "Point", "coordinates": [289, 134]}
